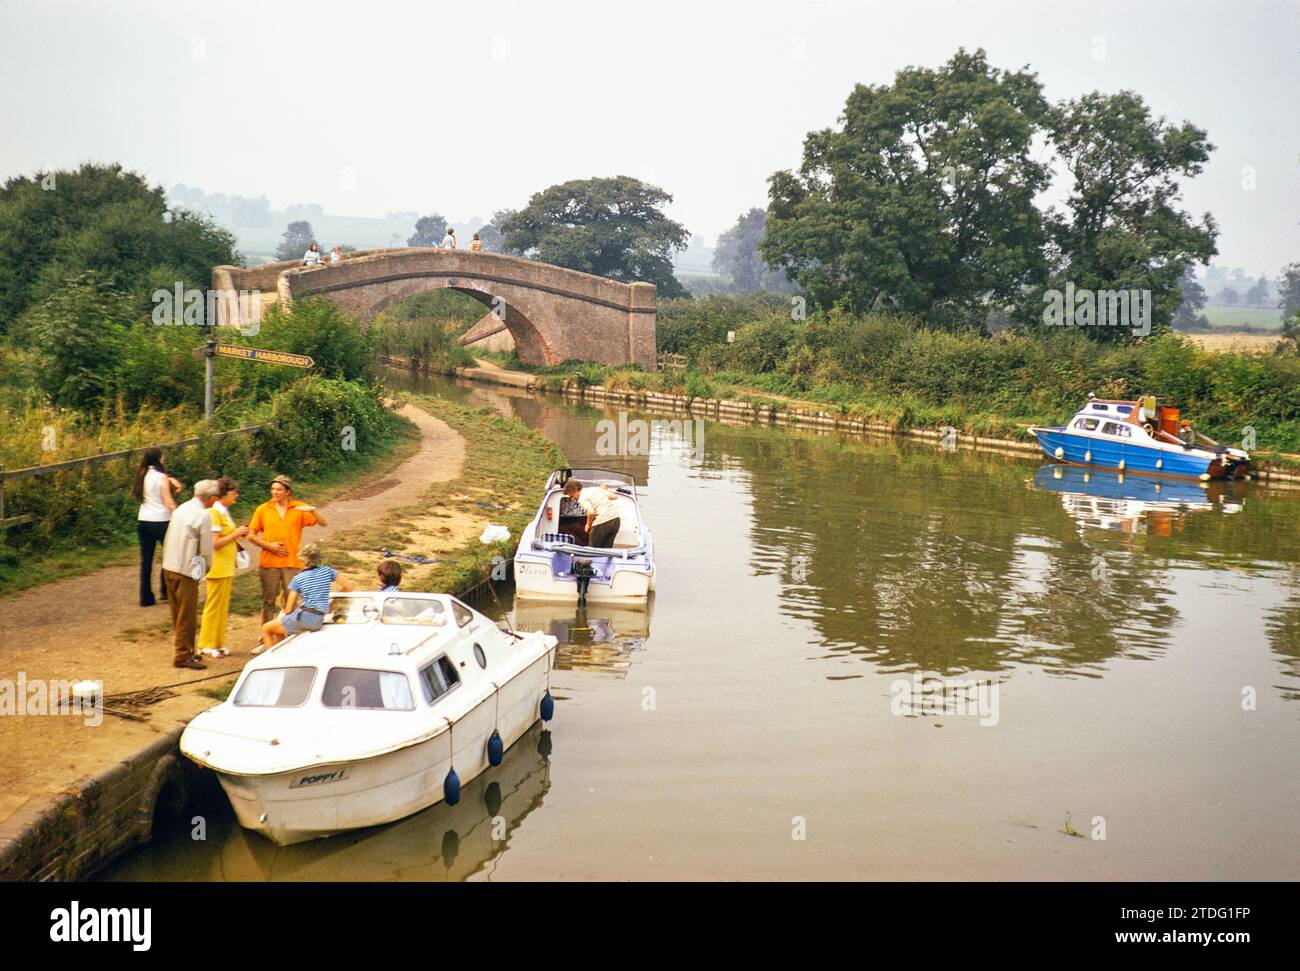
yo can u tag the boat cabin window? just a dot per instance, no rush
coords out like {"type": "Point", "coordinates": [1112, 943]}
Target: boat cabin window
{"type": "Point", "coordinates": [463, 614]}
{"type": "Point", "coordinates": [1087, 424]}
{"type": "Point", "coordinates": [437, 678]}
{"type": "Point", "coordinates": [399, 610]}
{"type": "Point", "coordinates": [275, 688]}
{"type": "Point", "coordinates": [1112, 428]}
{"type": "Point", "coordinates": [364, 688]}
{"type": "Point", "coordinates": [352, 610]}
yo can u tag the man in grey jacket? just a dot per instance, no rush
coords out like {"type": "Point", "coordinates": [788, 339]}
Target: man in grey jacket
{"type": "Point", "coordinates": [187, 557]}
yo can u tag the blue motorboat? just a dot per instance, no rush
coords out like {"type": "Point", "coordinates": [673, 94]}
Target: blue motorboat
{"type": "Point", "coordinates": [1143, 437]}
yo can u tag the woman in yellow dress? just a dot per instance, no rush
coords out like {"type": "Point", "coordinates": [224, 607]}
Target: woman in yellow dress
{"type": "Point", "coordinates": [225, 546]}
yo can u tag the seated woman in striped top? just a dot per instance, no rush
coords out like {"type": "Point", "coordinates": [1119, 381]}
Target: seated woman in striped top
{"type": "Point", "coordinates": [308, 600]}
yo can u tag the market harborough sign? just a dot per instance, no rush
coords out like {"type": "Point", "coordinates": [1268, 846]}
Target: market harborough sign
{"type": "Point", "coordinates": [212, 350]}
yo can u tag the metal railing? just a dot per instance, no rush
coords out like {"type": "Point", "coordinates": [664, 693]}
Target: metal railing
{"type": "Point", "coordinates": [34, 470]}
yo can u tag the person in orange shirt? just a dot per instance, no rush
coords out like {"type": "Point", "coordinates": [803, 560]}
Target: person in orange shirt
{"type": "Point", "coordinates": [277, 528]}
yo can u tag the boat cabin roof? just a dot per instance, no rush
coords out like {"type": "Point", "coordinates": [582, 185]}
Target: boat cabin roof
{"type": "Point", "coordinates": [378, 630]}
{"type": "Point", "coordinates": [619, 480]}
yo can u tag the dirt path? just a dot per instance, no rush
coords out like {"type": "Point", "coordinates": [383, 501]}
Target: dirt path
{"type": "Point", "coordinates": [90, 628]}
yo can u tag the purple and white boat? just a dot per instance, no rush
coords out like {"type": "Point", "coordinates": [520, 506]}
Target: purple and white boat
{"type": "Point", "coordinates": [550, 565]}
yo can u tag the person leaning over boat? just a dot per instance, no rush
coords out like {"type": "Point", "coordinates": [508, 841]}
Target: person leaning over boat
{"type": "Point", "coordinates": [308, 601]}
{"type": "Point", "coordinates": [573, 518]}
{"type": "Point", "coordinates": [187, 557]}
{"type": "Point", "coordinates": [277, 528]}
{"type": "Point", "coordinates": [602, 516]}
{"type": "Point", "coordinates": [225, 546]}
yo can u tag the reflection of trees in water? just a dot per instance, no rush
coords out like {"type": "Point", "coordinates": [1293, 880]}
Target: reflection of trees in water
{"type": "Point", "coordinates": [1283, 626]}
{"type": "Point", "coordinates": [945, 563]}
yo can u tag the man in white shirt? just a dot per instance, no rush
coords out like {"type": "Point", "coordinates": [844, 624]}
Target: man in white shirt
{"type": "Point", "coordinates": [189, 539]}
{"type": "Point", "coordinates": [449, 241]}
{"type": "Point", "coordinates": [602, 516]}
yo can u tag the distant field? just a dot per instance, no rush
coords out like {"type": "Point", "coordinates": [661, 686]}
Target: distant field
{"type": "Point", "coordinates": [1244, 316]}
{"type": "Point", "coordinates": [1234, 342]}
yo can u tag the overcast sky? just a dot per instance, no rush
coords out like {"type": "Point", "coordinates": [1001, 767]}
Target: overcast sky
{"type": "Point", "coordinates": [468, 107]}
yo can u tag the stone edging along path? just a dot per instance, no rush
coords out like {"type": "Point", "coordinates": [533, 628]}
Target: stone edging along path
{"type": "Point", "coordinates": [724, 409]}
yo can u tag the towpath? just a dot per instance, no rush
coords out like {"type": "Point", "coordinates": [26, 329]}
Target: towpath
{"type": "Point", "coordinates": [89, 627]}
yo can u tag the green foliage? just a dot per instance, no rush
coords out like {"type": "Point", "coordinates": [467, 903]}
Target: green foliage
{"type": "Point", "coordinates": [684, 326]}
{"type": "Point", "coordinates": [312, 419]}
{"type": "Point", "coordinates": [314, 326]}
{"type": "Point", "coordinates": [923, 199]}
{"type": "Point", "coordinates": [610, 227]}
{"type": "Point", "coordinates": [425, 328]}
{"type": "Point", "coordinates": [1124, 230]}
{"type": "Point", "coordinates": [56, 226]}
{"type": "Point", "coordinates": [79, 332]}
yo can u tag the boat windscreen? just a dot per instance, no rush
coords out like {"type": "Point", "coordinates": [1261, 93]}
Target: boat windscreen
{"type": "Point", "coordinates": [275, 688]}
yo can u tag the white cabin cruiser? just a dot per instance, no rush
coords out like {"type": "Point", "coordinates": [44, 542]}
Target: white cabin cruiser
{"type": "Point", "coordinates": [549, 565]}
{"type": "Point", "coordinates": [390, 706]}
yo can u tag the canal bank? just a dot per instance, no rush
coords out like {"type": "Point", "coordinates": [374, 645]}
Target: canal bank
{"type": "Point", "coordinates": [762, 408]}
{"type": "Point", "coordinates": [76, 795]}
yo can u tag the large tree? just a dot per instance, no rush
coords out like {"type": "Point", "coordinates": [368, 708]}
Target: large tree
{"type": "Point", "coordinates": [55, 226]}
{"type": "Point", "coordinates": [298, 235]}
{"type": "Point", "coordinates": [429, 230]}
{"type": "Point", "coordinates": [737, 256]}
{"type": "Point", "coordinates": [923, 197]}
{"type": "Point", "coordinates": [1122, 228]}
{"type": "Point", "coordinates": [612, 227]}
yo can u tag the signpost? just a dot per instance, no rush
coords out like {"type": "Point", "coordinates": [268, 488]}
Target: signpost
{"type": "Point", "coordinates": [212, 350]}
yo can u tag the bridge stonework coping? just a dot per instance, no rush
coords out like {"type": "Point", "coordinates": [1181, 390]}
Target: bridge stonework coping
{"type": "Point", "coordinates": [554, 314]}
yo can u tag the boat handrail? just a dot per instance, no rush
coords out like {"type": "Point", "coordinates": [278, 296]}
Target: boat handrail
{"type": "Point", "coordinates": [592, 551]}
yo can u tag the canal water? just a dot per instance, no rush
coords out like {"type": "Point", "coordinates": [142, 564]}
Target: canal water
{"type": "Point", "coordinates": [876, 660]}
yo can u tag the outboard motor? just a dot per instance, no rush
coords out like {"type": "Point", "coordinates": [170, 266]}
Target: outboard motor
{"type": "Point", "coordinates": [583, 571]}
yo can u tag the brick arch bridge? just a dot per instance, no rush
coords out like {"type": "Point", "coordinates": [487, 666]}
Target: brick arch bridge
{"type": "Point", "coordinates": [553, 314]}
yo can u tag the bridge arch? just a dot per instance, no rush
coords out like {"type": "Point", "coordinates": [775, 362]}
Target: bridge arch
{"type": "Point", "coordinates": [553, 314]}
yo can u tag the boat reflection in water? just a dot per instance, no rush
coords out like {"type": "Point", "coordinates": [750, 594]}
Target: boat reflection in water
{"type": "Point", "coordinates": [600, 637]}
{"type": "Point", "coordinates": [1133, 504]}
{"type": "Point", "coordinates": [440, 843]}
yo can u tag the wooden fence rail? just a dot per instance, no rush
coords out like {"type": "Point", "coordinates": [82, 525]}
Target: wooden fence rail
{"type": "Point", "coordinates": [34, 470]}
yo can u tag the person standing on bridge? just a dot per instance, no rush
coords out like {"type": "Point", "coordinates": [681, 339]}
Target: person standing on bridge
{"type": "Point", "coordinates": [277, 528]}
{"type": "Point", "coordinates": [336, 255]}
{"type": "Point", "coordinates": [476, 244]}
{"type": "Point", "coordinates": [449, 241]}
{"type": "Point", "coordinates": [312, 256]}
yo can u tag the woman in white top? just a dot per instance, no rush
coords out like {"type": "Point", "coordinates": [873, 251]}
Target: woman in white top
{"type": "Point", "coordinates": [312, 256]}
{"type": "Point", "coordinates": [154, 489]}
{"type": "Point", "coordinates": [336, 254]}
{"type": "Point", "coordinates": [449, 241]}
